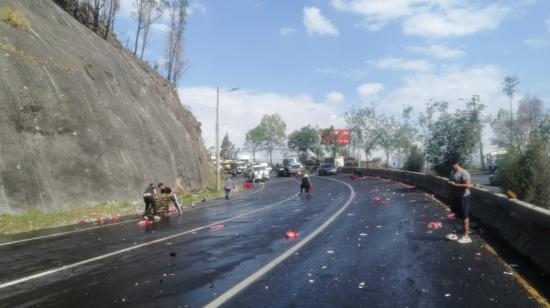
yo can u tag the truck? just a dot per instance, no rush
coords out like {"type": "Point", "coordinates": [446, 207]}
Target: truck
{"type": "Point", "coordinates": [494, 158]}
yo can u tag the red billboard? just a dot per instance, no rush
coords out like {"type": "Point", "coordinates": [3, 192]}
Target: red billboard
{"type": "Point", "coordinates": [337, 135]}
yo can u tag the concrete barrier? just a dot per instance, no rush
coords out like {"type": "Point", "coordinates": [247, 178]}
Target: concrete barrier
{"type": "Point", "coordinates": [524, 226]}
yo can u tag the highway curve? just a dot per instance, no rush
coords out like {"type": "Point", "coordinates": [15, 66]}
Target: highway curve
{"type": "Point", "coordinates": [362, 243]}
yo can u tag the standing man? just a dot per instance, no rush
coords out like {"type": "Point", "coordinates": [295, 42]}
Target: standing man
{"type": "Point", "coordinates": [460, 183]}
{"type": "Point", "coordinates": [229, 185]}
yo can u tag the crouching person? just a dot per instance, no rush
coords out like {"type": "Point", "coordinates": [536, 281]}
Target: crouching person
{"type": "Point", "coordinates": [149, 199]}
{"type": "Point", "coordinates": [168, 191]}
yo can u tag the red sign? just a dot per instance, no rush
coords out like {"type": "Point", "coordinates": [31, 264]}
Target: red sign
{"type": "Point", "coordinates": [342, 136]}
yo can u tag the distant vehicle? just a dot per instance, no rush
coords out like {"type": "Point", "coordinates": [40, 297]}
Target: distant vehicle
{"type": "Point", "coordinates": [493, 177]}
{"type": "Point", "coordinates": [328, 169]}
{"type": "Point", "coordinates": [290, 161]}
{"type": "Point", "coordinates": [238, 167]}
{"type": "Point", "coordinates": [259, 173]}
{"type": "Point", "coordinates": [291, 170]}
{"type": "Point", "coordinates": [494, 158]}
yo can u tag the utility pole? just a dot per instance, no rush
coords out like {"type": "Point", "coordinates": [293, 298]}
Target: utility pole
{"type": "Point", "coordinates": [218, 134]}
{"type": "Point", "coordinates": [218, 138]}
{"type": "Point", "coordinates": [475, 99]}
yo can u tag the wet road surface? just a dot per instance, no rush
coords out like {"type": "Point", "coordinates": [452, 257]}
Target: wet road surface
{"type": "Point", "coordinates": [377, 253]}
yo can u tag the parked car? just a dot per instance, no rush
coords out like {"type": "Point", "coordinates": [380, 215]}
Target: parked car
{"type": "Point", "coordinates": [328, 169]}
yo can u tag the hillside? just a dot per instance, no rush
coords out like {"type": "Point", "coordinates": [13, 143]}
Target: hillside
{"type": "Point", "coordinates": [83, 121]}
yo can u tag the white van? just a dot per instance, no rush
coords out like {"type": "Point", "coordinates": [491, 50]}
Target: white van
{"type": "Point", "coordinates": [260, 173]}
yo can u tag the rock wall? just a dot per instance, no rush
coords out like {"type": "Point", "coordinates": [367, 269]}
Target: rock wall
{"type": "Point", "coordinates": [83, 121]}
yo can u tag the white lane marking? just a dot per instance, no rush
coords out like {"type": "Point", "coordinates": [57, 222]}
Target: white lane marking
{"type": "Point", "coordinates": [114, 253]}
{"type": "Point", "coordinates": [222, 299]}
{"type": "Point", "coordinates": [103, 226]}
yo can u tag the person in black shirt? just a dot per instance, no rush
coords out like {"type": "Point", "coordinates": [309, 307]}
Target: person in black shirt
{"type": "Point", "coordinates": [306, 184]}
{"type": "Point", "coordinates": [149, 199]}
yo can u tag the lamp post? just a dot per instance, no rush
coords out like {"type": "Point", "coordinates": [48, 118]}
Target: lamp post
{"type": "Point", "coordinates": [218, 134]}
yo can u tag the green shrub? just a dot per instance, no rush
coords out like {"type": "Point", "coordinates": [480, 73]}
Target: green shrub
{"type": "Point", "coordinates": [527, 173]}
{"type": "Point", "coordinates": [13, 18]}
{"type": "Point", "coordinates": [415, 160]}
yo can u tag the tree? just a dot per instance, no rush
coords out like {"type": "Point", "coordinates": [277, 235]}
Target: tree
{"type": "Point", "coordinates": [404, 136]}
{"type": "Point", "coordinates": [387, 130]}
{"type": "Point", "coordinates": [227, 149]}
{"type": "Point", "coordinates": [273, 133]}
{"type": "Point", "coordinates": [526, 173]}
{"type": "Point", "coordinates": [147, 13]}
{"type": "Point", "coordinates": [329, 137]}
{"type": "Point", "coordinates": [303, 140]}
{"type": "Point", "coordinates": [529, 115]}
{"type": "Point", "coordinates": [452, 138]}
{"type": "Point", "coordinates": [111, 8]}
{"type": "Point", "coordinates": [363, 123]}
{"type": "Point", "coordinates": [475, 108]}
{"type": "Point", "coordinates": [177, 10]}
{"type": "Point", "coordinates": [509, 87]}
{"type": "Point", "coordinates": [415, 160]}
{"type": "Point", "coordinates": [254, 140]}
{"type": "Point", "coordinates": [426, 121]}
{"type": "Point", "coordinates": [97, 7]}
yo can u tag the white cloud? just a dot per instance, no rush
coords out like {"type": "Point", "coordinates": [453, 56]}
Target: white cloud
{"type": "Point", "coordinates": [351, 74]}
{"type": "Point", "coordinates": [537, 42]}
{"type": "Point", "coordinates": [242, 110]}
{"type": "Point", "coordinates": [398, 64]}
{"type": "Point", "coordinates": [316, 23]}
{"type": "Point", "coordinates": [334, 97]}
{"type": "Point", "coordinates": [370, 90]}
{"type": "Point", "coordinates": [455, 22]}
{"type": "Point", "coordinates": [437, 51]}
{"type": "Point", "coordinates": [431, 18]}
{"type": "Point", "coordinates": [286, 31]}
{"type": "Point", "coordinates": [196, 7]}
{"type": "Point", "coordinates": [160, 27]}
{"type": "Point", "coordinates": [449, 86]}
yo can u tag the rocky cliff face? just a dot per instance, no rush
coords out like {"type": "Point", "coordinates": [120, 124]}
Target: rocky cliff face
{"type": "Point", "coordinates": [82, 121]}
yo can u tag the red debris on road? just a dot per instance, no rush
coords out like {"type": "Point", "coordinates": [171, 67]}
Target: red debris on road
{"type": "Point", "coordinates": [144, 223]}
{"type": "Point", "coordinates": [247, 185]}
{"type": "Point", "coordinates": [434, 225]}
{"type": "Point", "coordinates": [217, 227]}
{"type": "Point", "coordinates": [291, 234]}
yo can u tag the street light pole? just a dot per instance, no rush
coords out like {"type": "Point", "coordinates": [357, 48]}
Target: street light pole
{"type": "Point", "coordinates": [218, 135]}
{"type": "Point", "coordinates": [218, 139]}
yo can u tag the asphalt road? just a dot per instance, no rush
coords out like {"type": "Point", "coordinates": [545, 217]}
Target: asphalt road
{"type": "Point", "coordinates": [482, 179]}
{"type": "Point", "coordinates": [352, 251]}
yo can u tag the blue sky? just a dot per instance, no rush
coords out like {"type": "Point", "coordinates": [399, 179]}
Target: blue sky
{"type": "Point", "coordinates": [313, 60]}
